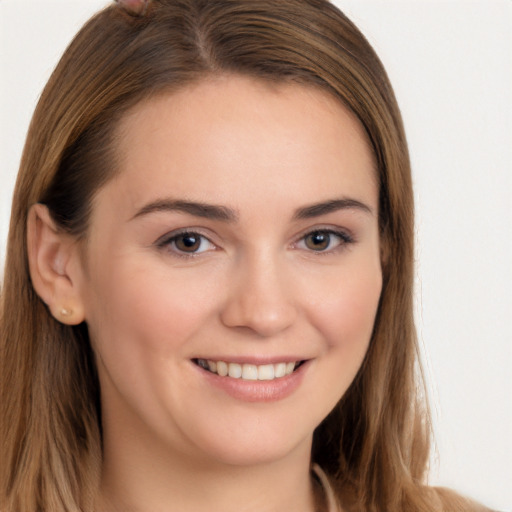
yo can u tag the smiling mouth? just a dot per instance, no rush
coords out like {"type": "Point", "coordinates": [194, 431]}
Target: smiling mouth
{"type": "Point", "coordinates": [249, 371]}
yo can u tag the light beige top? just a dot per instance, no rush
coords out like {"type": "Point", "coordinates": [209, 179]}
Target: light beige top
{"type": "Point", "coordinates": [332, 502]}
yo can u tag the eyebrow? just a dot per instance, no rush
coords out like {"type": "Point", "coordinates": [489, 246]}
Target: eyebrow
{"type": "Point", "coordinates": [225, 214]}
{"type": "Point", "coordinates": [333, 205]}
{"type": "Point", "coordinates": [197, 209]}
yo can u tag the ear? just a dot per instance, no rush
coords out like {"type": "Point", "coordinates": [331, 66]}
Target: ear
{"type": "Point", "coordinates": [55, 266]}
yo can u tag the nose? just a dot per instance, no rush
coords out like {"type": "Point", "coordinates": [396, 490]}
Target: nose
{"type": "Point", "coordinates": [261, 298]}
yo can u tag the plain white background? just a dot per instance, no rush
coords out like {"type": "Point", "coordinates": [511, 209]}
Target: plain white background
{"type": "Point", "coordinates": [451, 65]}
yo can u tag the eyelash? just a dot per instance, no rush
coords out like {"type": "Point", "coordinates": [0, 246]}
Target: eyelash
{"type": "Point", "coordinates": [169, 241]}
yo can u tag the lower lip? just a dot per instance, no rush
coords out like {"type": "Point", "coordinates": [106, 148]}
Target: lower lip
{"type": "Point", "coordinates": [257, 390]}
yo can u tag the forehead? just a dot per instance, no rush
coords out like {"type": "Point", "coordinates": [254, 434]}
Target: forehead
{"type": "Point", "coordinates": [206, 137]}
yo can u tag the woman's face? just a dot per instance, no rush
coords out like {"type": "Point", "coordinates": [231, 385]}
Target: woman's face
{"type": "Point", "coordinates": [241, 236]}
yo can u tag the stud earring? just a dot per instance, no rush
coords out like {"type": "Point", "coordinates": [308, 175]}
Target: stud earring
{"type": "Point", "coordinates": [66, 312]}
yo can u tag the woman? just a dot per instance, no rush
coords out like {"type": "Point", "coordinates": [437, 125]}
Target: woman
{"type": "Point", "coordinates": [214, 304]}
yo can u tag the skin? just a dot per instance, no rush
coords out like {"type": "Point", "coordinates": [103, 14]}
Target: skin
{"type": "Point", "coordinates": [256, 288]}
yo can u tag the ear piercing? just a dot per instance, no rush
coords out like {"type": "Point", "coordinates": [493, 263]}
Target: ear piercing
{"type": "Point", "coordinates": [134, 7]}
{"type": "Point", "coordinates": [67, 315]}
{"type": "Point", "coordinates": [67, 312]}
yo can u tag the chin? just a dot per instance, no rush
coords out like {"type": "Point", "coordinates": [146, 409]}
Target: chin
{"type": "Point", "coordinates": [250, 445]}
{"type": "Point", "coordinates": [260, 452]}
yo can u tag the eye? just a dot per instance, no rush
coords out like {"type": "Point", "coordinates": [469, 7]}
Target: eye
{"type": "Point", "coordinates": [186, 243]}
{"type": "Point", "coordinates": [324, 240]}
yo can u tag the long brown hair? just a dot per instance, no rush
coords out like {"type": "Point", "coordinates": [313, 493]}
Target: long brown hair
{"type": "Point", "coordinates": [375, 443]}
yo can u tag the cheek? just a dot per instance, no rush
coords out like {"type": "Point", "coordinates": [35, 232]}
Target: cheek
{"type": "Point", "coordinates": [345, 316]}
{"type": "Point", "coordinates": [141, 323]}
{"type": "Point", "coordinates": [343, 312]}
{"type": "Point", "coordinates": [346, 311]}
{"type": "Point", "coordinates": [146, 311]}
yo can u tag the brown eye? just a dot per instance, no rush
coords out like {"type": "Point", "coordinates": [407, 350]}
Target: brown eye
{"type": "Point", "coordinates": [325, 240]}
{"type": "Point", "coordinates": [318, 240]}
{"type": "Point", "coordinates": [188, 242]}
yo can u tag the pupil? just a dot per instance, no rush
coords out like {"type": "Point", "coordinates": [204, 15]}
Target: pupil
{"type": "Point", "coordinates": [318, 241]}
{"type": "Point", "coordinates": [188, 242]}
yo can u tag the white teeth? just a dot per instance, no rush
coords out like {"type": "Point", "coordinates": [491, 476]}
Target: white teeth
{"type": "Point", "coordinates": [248, 371]}
{"type": "Point", "coordinates": [280, 370]}
{"type": "Point", "coordinates": [266, 372]}
{"type": "Point", "coordinates": [222, 368]}
{"type": "Point", "coordinates": [234, 370]}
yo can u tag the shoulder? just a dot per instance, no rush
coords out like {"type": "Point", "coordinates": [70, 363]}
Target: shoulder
{"type": "Point", "coordinates": [451, 501]}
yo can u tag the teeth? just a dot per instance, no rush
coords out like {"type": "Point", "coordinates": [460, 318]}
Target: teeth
{"type": "Point", "coordinates": [222, 368]}
{"type": "Point", "coordinates": [280, 370]}
{"type": "Point", "coordinates": [248, 371]}
{"type": "Point", "coordinates": [266, 372]}
{"type": "Point", "coordinates": [234, 370]}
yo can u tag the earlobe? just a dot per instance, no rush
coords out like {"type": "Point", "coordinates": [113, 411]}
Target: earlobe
{"type": "Point", "coordinates": [52, 254]}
